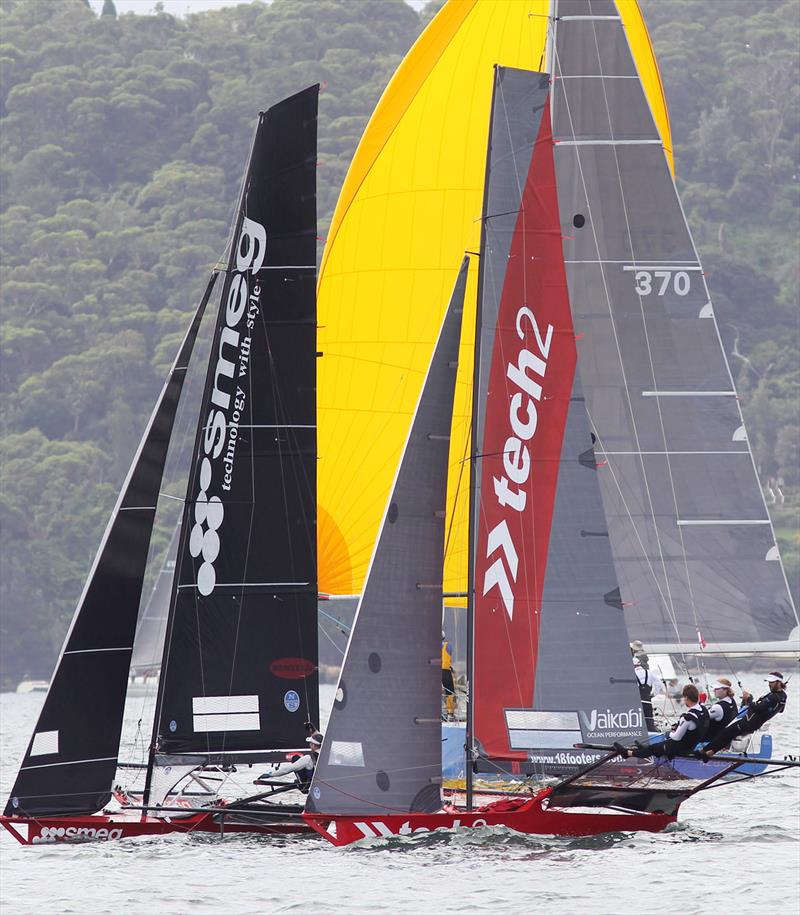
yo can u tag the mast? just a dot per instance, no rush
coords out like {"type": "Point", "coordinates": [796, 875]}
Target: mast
{"type": "Point", "coordinates": [474, 477]}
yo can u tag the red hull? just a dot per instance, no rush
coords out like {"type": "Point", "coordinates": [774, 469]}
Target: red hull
{"type": "Point", "coordinates": [524, 816]}
{"type": "Point", "coordinates": [102, 827]}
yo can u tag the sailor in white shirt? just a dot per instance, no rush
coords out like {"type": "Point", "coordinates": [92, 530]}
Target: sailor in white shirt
{"type": "Point", "coordinates": [690, 729]}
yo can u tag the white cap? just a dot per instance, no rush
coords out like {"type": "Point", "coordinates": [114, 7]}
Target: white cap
{"type": "Point", "coordinates": [773, 676]}
{"type": "Point", "coordinates": [719, 685]}
{"type": "Point", "coordinates": [315, 739]}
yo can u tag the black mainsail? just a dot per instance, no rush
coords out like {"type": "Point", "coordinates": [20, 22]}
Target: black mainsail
{"type": "Point", "coordinates": [239, 672]}
{"type": "Point", "coordinates": [693, 545]}
{"type": "Point", "coordinates": [71, 761]}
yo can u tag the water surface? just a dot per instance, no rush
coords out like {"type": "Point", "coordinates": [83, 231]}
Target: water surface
{"type": "Point", "coordinates": [736, 849]}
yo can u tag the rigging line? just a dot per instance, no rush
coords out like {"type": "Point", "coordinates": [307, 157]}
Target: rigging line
{"type": "Point", "coordinates": [280, 410]}
{"type": "Point", "coordinates": [330, 638]}
{"type": "Point", "coordinates": [646, 333]}
{"type": "Point", "coordinates": [497, 289]}
{"type": "Point", "coordinates": [611, 317]}
{"type": "Point", "coordinates": [634, 526]}
{"type": "Point", "coordinates": [249, 541]}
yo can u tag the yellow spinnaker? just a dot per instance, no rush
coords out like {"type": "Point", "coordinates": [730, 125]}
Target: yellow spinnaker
{"type": "Point", "coordinates": [408, 210]}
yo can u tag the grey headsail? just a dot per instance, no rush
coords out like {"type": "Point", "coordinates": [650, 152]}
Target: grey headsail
{"type": "Point", "coordinates": [692, 541]}
{"type": "Point", "coordinates": [383, 747]}
{"type": "Point", "coordinates": [71, 761]}
{"type": "Point", "coordinates": [239, 673]}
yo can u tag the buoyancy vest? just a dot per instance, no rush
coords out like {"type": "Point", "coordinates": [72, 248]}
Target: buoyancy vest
{"type": "Point", "coordinates": [729, 712]}
{"type": "Point", "coordinates": [699, 715]}
{"type": "Point", "coordinates": [645, 687]}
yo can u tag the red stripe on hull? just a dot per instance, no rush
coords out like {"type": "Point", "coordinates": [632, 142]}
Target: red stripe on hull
{"type": "Point", "coordinates": [527, 816]}
{"type": "Point", "coordinates": [530, 384]}
{"type": "Point", "coordinates": [112, 827]}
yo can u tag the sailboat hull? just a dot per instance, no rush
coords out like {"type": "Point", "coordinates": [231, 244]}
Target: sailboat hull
{"type": "Point", "coordinates": [129, 825]}
{"type": "Point", "coordinates": [529, 816]}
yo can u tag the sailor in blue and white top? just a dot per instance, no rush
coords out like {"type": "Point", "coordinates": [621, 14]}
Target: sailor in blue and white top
{"type": "Point", "coordinates": [303, 766]}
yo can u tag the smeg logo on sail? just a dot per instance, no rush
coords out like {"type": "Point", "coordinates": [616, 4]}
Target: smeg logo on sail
{"type": "Point", "coordinates": [228, 400]}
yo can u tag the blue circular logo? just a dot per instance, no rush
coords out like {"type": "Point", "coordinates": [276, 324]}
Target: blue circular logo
{"type": "Point", "coordinates": [291, 700]}
{"type": "Point", "coordinates": [173, 726]}
{"type": "Point", "coordinates": [316, 792]}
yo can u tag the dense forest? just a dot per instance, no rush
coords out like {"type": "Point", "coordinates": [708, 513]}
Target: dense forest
{"type": "Point", "coordinates": [123, 139]}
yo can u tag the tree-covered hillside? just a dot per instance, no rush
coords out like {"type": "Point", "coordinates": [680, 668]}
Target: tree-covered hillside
{"type": "Point", "coordinates": [122, 141]}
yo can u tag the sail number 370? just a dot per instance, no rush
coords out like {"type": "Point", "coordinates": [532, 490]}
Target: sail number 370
{"type": "Point", "coordinates": [659, 281]}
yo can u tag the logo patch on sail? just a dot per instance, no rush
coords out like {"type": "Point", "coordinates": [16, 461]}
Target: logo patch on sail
{"type": "Point", "coordinates": [509, 488]}
{"type": "Point", "coordinates": [607, 723]}
{"type": "Point", "coordinates": [292, 668]}
{"type": "Point", "coordinates": [228, 402]}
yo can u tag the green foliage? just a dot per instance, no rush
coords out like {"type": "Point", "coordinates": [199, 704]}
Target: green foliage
{"type": "Point", "coordinates": [121, 152]}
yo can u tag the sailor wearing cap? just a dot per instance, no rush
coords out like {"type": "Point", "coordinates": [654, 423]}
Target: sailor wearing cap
{"type": "Point", "coordinates": [303, 766]}
{"type": "Point", "coordinates": [757, 715]}
{"type": "Point", "coordinates": [649, 685]}
{"type": "Point", "coordinates": [724, 710]}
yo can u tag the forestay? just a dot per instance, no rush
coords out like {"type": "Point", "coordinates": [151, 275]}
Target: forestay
{"type": "Point", "coordinates": [239, 674]}
{"type": "Point", "coordinates": [693, 545]}
{"type": "Point", "coordinates": [383, 747]}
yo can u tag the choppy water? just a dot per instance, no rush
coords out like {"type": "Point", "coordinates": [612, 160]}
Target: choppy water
{"type": "Point", "coordinates": [736, 849]}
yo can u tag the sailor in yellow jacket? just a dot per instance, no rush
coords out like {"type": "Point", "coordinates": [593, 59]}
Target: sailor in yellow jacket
{"type": "Point", "coordinates": [448, 682]}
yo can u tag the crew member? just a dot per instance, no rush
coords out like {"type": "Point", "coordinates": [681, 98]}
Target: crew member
{"type": "Point", "coordinates": [758, 714]}
{"type": "Point", "coordinates": [448, 682]}
{"type": "Point", "coordinates": [649, 685]}
{"type": "Point", "coordinates": [637, 651]}
{"type": "Point", "coordinates": [303, 766]}
{"type": "Point", "coordinates": [724, 710]}
{"type": "Point", "coordinates": [690, 729]}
